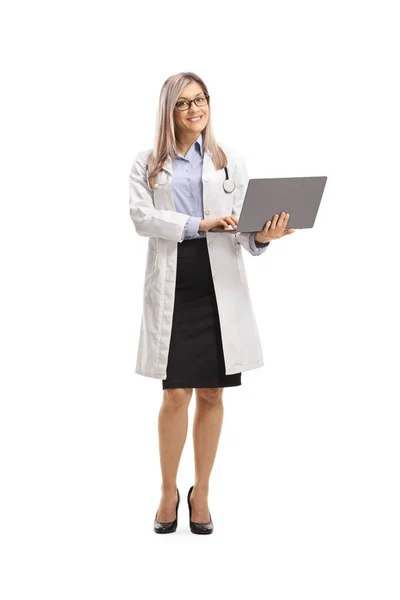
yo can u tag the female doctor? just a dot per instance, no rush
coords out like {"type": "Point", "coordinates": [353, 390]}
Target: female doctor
{"type": "Point", "coordinates": [198, 329]}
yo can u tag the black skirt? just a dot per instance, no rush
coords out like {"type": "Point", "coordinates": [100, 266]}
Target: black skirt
{"type": "Point", "coordinates": [196, 358]}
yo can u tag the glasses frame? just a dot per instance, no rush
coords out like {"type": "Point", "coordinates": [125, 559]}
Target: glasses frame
{"type": "Point", "coordinates": [206, 96]}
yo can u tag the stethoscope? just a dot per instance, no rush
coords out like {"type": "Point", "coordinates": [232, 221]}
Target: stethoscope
{"type": "Point", "coordinates": [228, 185]}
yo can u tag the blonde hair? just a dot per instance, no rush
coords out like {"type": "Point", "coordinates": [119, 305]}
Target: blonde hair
{"type": "Point", "coordinates": [165, 140]}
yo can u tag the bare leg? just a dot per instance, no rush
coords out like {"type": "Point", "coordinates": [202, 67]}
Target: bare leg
{"type": "Point", "coordinates": [207, 426]}
{"type": "Point", "coordinates": [172, 432]}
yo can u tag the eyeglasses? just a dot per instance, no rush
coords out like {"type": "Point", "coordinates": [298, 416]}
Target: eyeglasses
{"type": "Point", "coordinates": [185, 104]}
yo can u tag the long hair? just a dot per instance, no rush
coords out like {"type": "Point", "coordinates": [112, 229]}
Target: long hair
{"type": "Point", "coordinates": [165, 140]}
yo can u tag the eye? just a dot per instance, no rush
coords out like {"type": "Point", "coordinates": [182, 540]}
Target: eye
{"type": "Point", "coordinates": [181, 103]}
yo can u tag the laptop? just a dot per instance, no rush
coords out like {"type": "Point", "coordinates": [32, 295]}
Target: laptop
{"type": "Point", "coordinates": [299, 196]}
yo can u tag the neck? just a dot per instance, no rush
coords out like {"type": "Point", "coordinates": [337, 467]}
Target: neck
{"type": "Point", "coordinates": [183, 142]}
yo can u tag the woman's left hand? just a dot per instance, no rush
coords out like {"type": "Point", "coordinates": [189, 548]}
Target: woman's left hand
{"type": "Point", "coordinates": [274, 230]}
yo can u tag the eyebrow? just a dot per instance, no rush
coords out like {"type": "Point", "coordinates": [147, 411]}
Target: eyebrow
{"type": "Point", "coordinates": [199, 94]}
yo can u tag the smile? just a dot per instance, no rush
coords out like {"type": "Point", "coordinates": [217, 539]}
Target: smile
{"type": "Point", "coordinates": [194, 119]}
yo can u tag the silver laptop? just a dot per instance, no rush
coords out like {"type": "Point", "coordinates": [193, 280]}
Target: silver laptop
{"type": "Point", "coordinates": [299, 196]}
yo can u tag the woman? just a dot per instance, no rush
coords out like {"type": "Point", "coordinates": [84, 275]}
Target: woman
{"type": "Point", "coordinates": [198, 329]}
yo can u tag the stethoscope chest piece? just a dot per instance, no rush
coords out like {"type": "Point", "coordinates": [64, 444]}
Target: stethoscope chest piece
{"type": "Point", "coordinates": [228, 184]}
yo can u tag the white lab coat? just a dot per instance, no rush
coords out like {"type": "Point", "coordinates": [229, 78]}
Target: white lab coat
{"type": "Point", "coordinates": [154, 216]}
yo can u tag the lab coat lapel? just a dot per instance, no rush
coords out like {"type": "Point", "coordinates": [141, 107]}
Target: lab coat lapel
{"type": "Point", "coordinates": [167, 166]}
{"type": "Point", "coordinates": [208, 166]}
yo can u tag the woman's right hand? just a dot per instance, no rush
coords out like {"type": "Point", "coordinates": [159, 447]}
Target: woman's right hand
{"type": "Point", "coordinates": [220, 223]}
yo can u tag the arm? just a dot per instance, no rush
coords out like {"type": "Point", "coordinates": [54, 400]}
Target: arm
{"type": "Point", "coordinates": [148, 220]}
{"type": "Point", "coordinates": [191, 227]}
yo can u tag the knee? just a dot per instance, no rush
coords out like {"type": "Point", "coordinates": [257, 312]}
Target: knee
{"type": "Point", "coordinates": [176, 398]}
{"type": "Point", "coordinates": [209, 396]}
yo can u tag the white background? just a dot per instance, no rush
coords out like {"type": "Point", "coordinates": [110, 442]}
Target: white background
{"type": "Point", "coordinates": [304, 493]}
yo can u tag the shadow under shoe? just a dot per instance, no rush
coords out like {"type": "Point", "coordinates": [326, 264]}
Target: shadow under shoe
{"type": "Point", "coordinates": [198, 527]}
{"type": "Point", "coordinates": [167, 527]}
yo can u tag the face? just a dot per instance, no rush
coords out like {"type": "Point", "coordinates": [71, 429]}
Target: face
{"type": "Point", "coordinates": [182, 123]}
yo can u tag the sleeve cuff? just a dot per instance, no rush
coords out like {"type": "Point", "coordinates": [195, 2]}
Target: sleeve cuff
{"type": "Point", "coordinates": [185, 229]}
{"type": "Point", "coordinates": [257, 247]}
{"type": "Point", "coordinates": [193, 226]}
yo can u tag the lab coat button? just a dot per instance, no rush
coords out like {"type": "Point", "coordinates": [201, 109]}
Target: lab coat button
{"type": "Point", "coordinates": [211, 244]}
{"type": "Point", "coordinates": [208, 211]}
{"type": "Point", "coordinates": [215, 277]}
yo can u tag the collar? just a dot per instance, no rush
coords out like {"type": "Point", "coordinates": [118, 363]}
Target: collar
{"type": "Point", "coordinates": [199, 144]}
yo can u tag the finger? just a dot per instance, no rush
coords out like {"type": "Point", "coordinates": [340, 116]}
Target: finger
{"type": "Point", "coordinates": [274, 220]}
{"type": "Point", "coordinates": [228, 221]}
{"type": "Point", "coordinates": [282, 219]}
{"type": "Point", "coordinates": [231, 223]}
{"type": "Point", "coordinates": [267, 226]}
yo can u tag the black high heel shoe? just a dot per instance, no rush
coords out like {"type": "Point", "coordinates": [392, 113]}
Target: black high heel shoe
{"type": "Point", "coordinates": [198, 527]}
{"type": "Point", "coordinates": [167, 527]}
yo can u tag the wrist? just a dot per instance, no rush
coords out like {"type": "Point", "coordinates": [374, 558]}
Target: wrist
{"type": "Point", "coordinates": [258, 238]}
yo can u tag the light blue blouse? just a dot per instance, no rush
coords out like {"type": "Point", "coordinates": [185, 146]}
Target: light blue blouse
{"type": "Point", "coordinates": [187, 192]}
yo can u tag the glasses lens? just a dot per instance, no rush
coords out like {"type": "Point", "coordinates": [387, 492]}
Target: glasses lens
{"type": "Point", "coordinates": [201, 101]}
{"type": "Point", "coordinates": [182, 105]}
